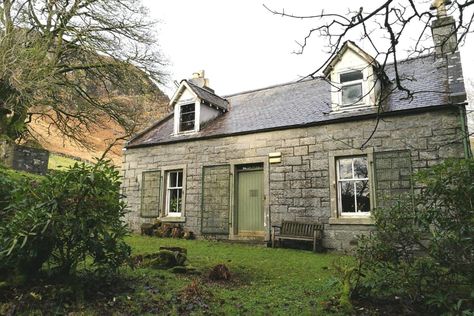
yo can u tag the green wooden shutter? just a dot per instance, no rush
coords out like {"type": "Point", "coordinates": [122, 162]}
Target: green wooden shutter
{"type": "Point", "coordinates": [393, 171]}
{"type": "Point", "coordinates": [150, 194]}
{"type": "Point", "coordinates": [215, 202]}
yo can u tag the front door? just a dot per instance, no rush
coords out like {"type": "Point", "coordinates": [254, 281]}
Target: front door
{"type": "Point", "coordinates": [250, 201]}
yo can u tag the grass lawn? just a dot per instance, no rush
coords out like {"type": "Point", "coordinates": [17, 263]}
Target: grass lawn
{"type": "Point", "coordinates": [57, 162]}
{"type": "Point", "coordinates": [264, 281]}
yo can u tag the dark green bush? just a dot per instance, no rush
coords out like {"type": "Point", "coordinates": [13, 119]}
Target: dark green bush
{"type": "Point", "coordinates": [7, 185]}
{"type": "Point", "coordinates": [69, 217]}
{"type": "Point", "coordinates": [10, 181]}
{"type": "Point", "coordinates": [422, 253]}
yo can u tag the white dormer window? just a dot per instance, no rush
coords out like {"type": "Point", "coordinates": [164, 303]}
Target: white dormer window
{"type": "Point", "coordinates": [351, 88]}
{"type": "Point", "coordinates": [187, 118]}
{"type": "Point", "coordinates": [194, 104]}
{"type": "Point", "coordinates": [354, 83]}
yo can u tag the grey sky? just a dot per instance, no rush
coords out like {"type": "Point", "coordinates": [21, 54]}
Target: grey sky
{"type": "Point", "coordinates": [242, 46]}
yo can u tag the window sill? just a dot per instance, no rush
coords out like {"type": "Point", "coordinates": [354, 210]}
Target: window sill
{"type": "Point", "coordinates": [170, 219]}
{"type": "Point", "coordinates": [347, 109]}
{"type": "Point", "coordinates": [184, 133]}
{"type": "Point", "coordinates": [351, 221]}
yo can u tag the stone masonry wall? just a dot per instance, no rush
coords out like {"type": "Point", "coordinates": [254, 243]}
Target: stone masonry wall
{"type": "Point", "coordinates": [299, 186]}
{"type": "Point", "coordinates": [24, 158]}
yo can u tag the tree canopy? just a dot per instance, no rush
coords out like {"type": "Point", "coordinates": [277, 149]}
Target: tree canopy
{"type": "Point", "coordinates": [72, 62]}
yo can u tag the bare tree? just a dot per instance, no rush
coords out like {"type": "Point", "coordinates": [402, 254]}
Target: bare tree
{"type": "Point", "coordinates": [384, 29]}
{"type": "Point", "coordinates": [72, 62]}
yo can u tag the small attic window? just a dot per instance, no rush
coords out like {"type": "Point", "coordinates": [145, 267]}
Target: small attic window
{"type": "Point", "coordinates": [351, 87]}
{"type": "Point", "coordinates": [187, 118]}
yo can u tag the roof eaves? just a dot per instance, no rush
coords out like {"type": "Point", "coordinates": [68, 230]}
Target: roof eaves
{"type": "Point", "coordinates": [307, 124]}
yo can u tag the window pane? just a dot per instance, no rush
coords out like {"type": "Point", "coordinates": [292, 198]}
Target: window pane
{"type": "Point", "coordinates": [363, 198]}
{"type": "Point", "coordinates": [187, 118]}
{"type": "Point", "coordinates": [184, 127]}
{"type": "Point", "coordinates": [173, 177]}
{"type": "Point", "coordinates": [350, 76]}
{"type": "Point", "coordinates": [351, 94]}
{"type": "Point", "coordinates": [345, 168]}
{"type": "Point", "coordinates": [360, 168]}
{"type": "Point", "coordinates": [180, 179]}
{"type": "Point", "coordinates": [174, 201]}
{"type": "Point", "coordinates": [347, 196]}
{"type": "Point", "coordinates": [180, 200]}
{"type": "Point", "coordinates": [187, 108]}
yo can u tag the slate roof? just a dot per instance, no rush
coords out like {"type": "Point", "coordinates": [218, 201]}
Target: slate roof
{"type": "Point", "coordinates": [209, 96]}
{"type": "Point", "coordinates": [306, 103]}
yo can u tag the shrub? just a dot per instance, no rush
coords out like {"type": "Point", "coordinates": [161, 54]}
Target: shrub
{"type": "Point", "coordinates": [422, 251]}
{"type": "Point", "coordinates": [67, 218]}
{"type": "Point", "coordinates": [11, 181]}
{"type": "Point", "coordinates": [7, 185]}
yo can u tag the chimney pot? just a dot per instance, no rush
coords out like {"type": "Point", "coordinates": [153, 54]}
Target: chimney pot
{"type": "Point", "coordinates": [199, 80]}
{"type": "Point", "coordinates": [440, 6]}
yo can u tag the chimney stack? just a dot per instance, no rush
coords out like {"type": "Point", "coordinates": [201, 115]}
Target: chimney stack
{"type": "Point", "coordinates": [446, 50]}
{"type": "Point", "coordinates": [443, 30]}
{"type": "Point", "coordinates": [199, 80]}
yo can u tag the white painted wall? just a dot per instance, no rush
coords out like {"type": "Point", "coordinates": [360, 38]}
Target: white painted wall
{"type": "Point", "coordinates": [186, 97]}
{"type": "Point", "coordinates": [207, 114]}
{"type": "Point", "coordinates": [350, 61]}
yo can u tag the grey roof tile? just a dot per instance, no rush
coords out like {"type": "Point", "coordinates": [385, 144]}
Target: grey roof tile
{"type": "Point", "coordinates": [307, 102]}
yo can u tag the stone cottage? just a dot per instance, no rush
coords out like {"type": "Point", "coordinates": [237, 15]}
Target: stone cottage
{"type": "Point", "coordinates": [329, 149]}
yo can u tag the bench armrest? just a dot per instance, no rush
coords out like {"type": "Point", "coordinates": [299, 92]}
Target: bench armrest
{"type": "Point", "coordinates": [273, 233]}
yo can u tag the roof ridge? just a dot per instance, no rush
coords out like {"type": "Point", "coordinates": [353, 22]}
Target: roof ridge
{"type": "Point", "coordinates": [318, 77]}
{"type": "Point", "coordinates": [411, 58]}
{"type": "Point", "coordinates": [205, 90]}
{"type": "Point", "coordinates": [272, 86]}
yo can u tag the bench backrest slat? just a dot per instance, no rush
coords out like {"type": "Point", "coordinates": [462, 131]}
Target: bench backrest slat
{"type": "Point", "coordinates": [299, 228]}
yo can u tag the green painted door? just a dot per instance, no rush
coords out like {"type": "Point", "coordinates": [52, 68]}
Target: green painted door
{"type": "Point", "coordinates": [250, 202]}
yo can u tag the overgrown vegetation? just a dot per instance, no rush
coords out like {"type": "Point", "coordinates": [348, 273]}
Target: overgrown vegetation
{"type": "Point", "coordinates": [9, 181]}
{"type": "Point", "coordinates": [419, 261]}
{"type": "Point", "coordinates": [422, 254]}
{"type": "Point", "coordinates": [64, 220]}
{"type": "Point", "coordinates": [263, 281]}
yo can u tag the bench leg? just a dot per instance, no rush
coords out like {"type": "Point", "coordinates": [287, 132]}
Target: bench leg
{"type": "Point", "coordinates": [314, 243]}
{"type": "Point", "coordinates": [273, 237]}
{"type": "Point", "coordinates": [315, 240]}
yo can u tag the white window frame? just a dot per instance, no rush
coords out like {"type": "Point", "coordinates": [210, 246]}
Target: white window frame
{"type": "Point", "coordinates": [345, 218]}
{"type": "Point", "coordinates": [361, 101]}
{"type": "Point", "coordinates": [181, 113]}
{"type": "Point", "coordinates": [177, 116]}
{"type": "Point", "coordinates": [169, 188]}
{"type": "Point", "coordinates": [353, 181]}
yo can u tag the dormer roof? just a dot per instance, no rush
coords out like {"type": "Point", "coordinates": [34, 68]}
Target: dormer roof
{"type": "Point", "coordinates": [349, 45]}
{"type": "Point", "coordinates": [204, 94]}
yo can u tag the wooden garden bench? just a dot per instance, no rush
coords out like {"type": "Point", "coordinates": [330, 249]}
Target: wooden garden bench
{"type": "Point", "coordinates": [291, 230]}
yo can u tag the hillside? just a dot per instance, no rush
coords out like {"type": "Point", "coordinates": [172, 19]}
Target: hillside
{"type": "Point", "coordinates": [99, 139]}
